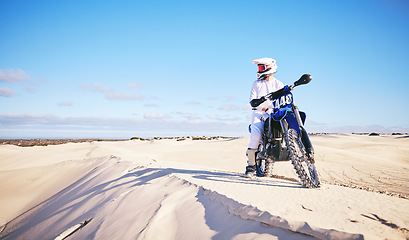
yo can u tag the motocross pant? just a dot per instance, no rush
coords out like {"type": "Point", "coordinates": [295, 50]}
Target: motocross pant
{"type": "Point", "coordinates": [256, 129]}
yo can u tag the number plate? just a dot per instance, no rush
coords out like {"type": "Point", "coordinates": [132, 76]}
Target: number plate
{"type": "Point", "coordinates": [283, 101]}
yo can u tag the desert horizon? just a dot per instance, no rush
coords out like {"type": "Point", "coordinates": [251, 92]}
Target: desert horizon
{"type": "Point", "coordinates": [45, 141]}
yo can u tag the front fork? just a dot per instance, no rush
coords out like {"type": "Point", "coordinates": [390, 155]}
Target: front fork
{"type": "Point", "coordinates": [304, 135]}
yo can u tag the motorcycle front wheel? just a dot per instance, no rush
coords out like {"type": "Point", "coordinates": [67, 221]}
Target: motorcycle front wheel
{"type": "Point", "coordinates": [305, 170]}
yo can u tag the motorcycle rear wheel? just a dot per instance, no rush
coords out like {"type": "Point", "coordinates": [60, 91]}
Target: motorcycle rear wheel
{"type": "Point", "coordinates": [261, 168]}
{"type": "Point", "coordinates": [305, 170]}
{"type": "Point", "coordinates": [261, 163]}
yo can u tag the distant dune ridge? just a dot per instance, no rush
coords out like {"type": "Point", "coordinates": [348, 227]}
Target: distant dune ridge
{"type": "Point", "coordinates": [187, 189]}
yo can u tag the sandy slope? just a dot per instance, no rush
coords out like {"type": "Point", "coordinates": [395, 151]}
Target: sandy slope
{"type": "Point", "coordinates": [194, 190]}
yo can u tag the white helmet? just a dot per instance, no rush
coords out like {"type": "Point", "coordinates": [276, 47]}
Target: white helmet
{"type": "Point", "coordinates": [266, 67]}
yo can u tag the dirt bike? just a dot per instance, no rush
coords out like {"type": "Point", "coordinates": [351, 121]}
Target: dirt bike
{"type": "Point", "coordinates": [285, 138]}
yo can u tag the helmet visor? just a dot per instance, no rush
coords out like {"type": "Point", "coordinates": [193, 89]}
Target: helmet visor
{"type": "Point", "coordinates": [263, 67]}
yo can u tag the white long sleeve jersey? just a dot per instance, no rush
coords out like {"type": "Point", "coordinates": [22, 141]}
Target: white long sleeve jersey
{"type": "Point", "coordinates": [261, 88]}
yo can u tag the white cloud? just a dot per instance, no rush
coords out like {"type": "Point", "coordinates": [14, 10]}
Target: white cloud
{"type": "Point", "coordinates": [224, 119]}
{"type": "Point", "coordinates": [122, 96]}
{"type": "Point", "coordinates": [188, 116]}
{"type": "Point", "coordinates": [194, 103]}
{"type": "Point", "coordinates": [212, 98]}
{"type": "Point", "coordinates": [7, 92]}
{"type": "Point", "coordinates": [229, 107]}
{"type": "Point", "coordinates": [150, 105]}
{"type": "Point", "coordinates": [27, 119]}
{"type": "Point", "coordinates": [13, 76]}
{"type": "Point", "coordinates": [96, 87]}
{"type": "Point", "coordinates": [230, 98]}
{"type": "Point", "coordinates": [46, 126]}
{"type": "Point", "coordinates": [30, 89]}
{"type": "Point", "coordinates": [156, 116]}
{"type": "Point", "coordinates": [65, 104]}
{"type": "Point", "coordinates": [319, 127]}
{"type": "Point", "coordinates": [246, 107]}
{"type": "Point", "coordinates": [110, 94]}
{"type": "Point", "coordinates": [135, 85]}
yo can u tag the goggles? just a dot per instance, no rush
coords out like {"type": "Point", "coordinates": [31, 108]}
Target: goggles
{"type": "Point", "coordinates": [262, 67]}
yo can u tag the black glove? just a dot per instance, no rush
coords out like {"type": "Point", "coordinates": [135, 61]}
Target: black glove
{"type": "Point", "coordinates": [256, 102]}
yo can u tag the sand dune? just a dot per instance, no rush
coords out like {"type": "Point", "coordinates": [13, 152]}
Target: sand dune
{"type": "Point", "coordinates": [170, 189]}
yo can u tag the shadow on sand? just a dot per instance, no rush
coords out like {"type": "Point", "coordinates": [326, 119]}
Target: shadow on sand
{"type": "Point", "coordinates": [110, 180]}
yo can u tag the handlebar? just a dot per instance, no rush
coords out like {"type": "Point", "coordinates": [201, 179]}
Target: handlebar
{"type": "Point", "coordinates": [304, 79]}
{"type": "Point", "coordinates": [280, 92]}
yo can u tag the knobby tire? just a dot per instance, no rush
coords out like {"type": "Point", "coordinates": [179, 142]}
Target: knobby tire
{"type": "Point", "coordinates": [305, 170]}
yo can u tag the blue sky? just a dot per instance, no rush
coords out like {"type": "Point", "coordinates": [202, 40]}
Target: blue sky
{"type": "Point", "coordinates": [117, 69]}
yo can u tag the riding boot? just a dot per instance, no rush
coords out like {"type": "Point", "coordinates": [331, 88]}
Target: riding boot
{"type": "Point", "coordinates": [251, 162]}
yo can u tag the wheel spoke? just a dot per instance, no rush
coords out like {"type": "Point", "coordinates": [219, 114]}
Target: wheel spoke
{"type": "Point", "coordinates": [305, 170]}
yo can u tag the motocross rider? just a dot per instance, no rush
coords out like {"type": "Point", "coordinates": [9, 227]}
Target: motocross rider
{"type": "Point", "coordinates": [265, 84]}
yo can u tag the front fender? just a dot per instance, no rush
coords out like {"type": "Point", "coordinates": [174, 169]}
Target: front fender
{"type": "Point", "coordinates": [292, 121]}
